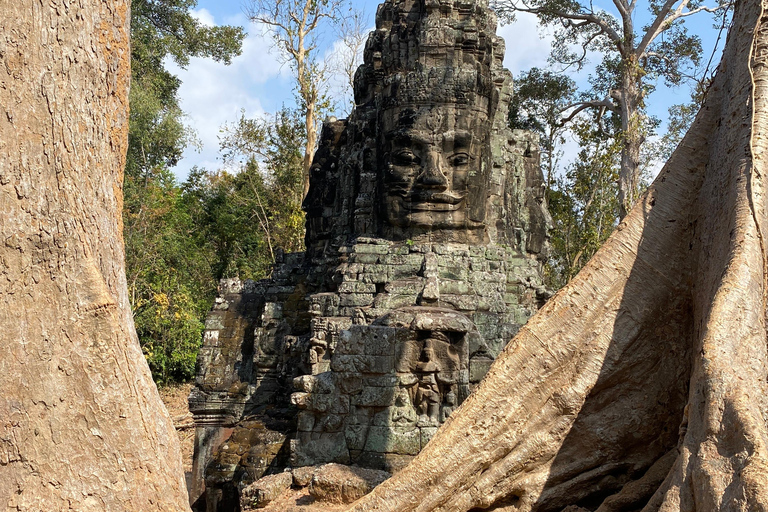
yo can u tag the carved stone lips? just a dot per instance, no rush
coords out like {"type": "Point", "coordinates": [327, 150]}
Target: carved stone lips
{"type": "Point", "coordinates": [438, 201]}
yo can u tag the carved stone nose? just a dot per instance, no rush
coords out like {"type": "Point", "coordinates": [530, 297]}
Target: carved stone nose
{"type": "Point", "coordinates": [432, 174]}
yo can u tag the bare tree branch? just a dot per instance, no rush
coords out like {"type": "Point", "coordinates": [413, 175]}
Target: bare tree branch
{"type": "Point", "coordinates": [583, 105]}
{"type": "Point", "coordinates": [606, 28]}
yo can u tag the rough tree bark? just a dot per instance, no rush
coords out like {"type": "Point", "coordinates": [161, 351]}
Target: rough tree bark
{"type": "Point", "coordinates": [81, 424]}
{"type": "Point", "coordinates": [642, 384]}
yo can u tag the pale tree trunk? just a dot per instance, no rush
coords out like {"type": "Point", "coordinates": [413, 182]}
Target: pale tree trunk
{"type": "Point", "coordinates": [309, 151]}
{"type": "Point", "coordinates": [633, 138]}
{"type": "Point", "coordinates": [642, 384]}
{"type": "Point", "coordinates": [81, 423]}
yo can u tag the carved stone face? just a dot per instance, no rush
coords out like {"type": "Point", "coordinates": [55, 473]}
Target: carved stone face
{"type": "Point", "coordinates": [432, 154]}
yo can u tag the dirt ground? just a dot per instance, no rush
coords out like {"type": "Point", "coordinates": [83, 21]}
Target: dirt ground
{"type": "Point", "coordinates": [299, 500]}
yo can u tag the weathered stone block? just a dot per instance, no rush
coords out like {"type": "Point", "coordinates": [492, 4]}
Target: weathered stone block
{"type": "Point", "coordinates": [320, 383]}
{"type": "Point", "coordinates": [356, 436]}
{"type": "Point", "coordinates": [350, 383]}
{"type": "Point", "coordinates": [265, 490]}
{"type": "Point", "coordinates": [320, 403]}
{"type": "Point", "coordinates": [349, 343]}
{"type": "Point", "coordinates": [421, 248]}
{"type": "Point", "coordinates": [478, 265]}
{"type": "Point", "coordinates": [329, 422]}
{"type": "Point", "coordinates": [356, 287]}
{"type": "Point", "coordinates": [495, 253]}
{"type": "Point", "coordinates": [365, 258]}
{"type": "Point", "coordinates": [332, 483]}
{"type": "Point", "coordinates": [356, 299]}
{"type": "Point", "coordinates": [375, 397]}
{"type": "Point", "coordinates": [210, 339]}
{"type": "Point", "coordinates": [272, 310]}
{"type": "Point", "coordinates": [412, 286]}
{"type": "Point", "coordinates": [431, 290]}
{"type": "Point", "coordinates": [393, 440]}
{"type": "Point", "coordinates": [427, 433]}
{"type": "Point", "coordinates": [378, 341]}
{"type": "Point", "coordinates": [370, 249]}
{"type": "Point", "coordinates": [455, 287]}
{"type": "Point", "coordinates": [381, 381]}
{"type": "Point", "coordinates": [459, 302]}
{"type": "Point", "coordinates": [214, 320]}
{"type": "Point", "coordinates": [478, 368]}
{"type": "Point", "coordinates": [363, 364]}
{"type": "Point", "coordinates": [477, 251]}
{"type": "Point", "coordinates": [452, 249]}
{"type": "Point", "coordinates": [386, 301]}
{"type": "Point", "coordinates": [322, 447]}
{"type": "Point", "coordinates": [305, 421]}
{"type": "Point", "coordinates": [453, 272]}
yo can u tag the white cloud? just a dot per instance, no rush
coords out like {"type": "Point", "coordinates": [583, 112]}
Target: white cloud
{"type": "Point", "coordinates": [527, 46]}
{"type": "Point", "coordinates": [212, 93]}
{"type": "Point", "coordinates": [204, 16]}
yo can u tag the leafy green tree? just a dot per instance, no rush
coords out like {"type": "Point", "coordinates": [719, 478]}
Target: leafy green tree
{"type": "Point", "coordinates": [537, 105]}
{"type": "Point", "coordinates": [583, 203]}
{"type": "Point", "coordinates": [163, 29]}
{"type": "Point", "coordinates": [268, 190]}
{"type": "Point", "coordinates": [168, 264]}
{"type": "Point", "coordinates": [239, 250]}
{"type": "Point", "coordinates": [634, 58]}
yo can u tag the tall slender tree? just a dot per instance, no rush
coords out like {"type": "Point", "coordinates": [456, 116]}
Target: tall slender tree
{"type": "Point", "coordinates": [297, 27]}
{"type": "Point", "coordinates": [82, 426]}
{"type": "Point", "coordinates": [633, 59]}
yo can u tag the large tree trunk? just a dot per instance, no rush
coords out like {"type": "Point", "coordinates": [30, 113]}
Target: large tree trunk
{"type": "Point", "coordinates": [81, 424]}
{"type": "Point", "coordinates": [641, 384]}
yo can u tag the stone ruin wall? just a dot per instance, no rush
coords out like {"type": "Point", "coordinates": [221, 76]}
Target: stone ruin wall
{"type": "Point", "coordinates": [357, 350]}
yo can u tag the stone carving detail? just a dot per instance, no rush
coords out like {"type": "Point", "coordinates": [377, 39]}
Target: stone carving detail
{"type": "Point", "coordinates": [425, 234]}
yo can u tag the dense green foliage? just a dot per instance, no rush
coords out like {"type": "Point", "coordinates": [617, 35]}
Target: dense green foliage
{"type": "Point", "coordinates": [269, 187]}
{"type": "Point", "coordinates": [168, 262]}
{"type": "Point", "coordinates": [168, 265]}
{"type": "Point", "coordinates": [583, 204]}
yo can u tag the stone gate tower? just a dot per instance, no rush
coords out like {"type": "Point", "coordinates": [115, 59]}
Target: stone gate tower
{"type": "Point", "coordinates": [426, 230]}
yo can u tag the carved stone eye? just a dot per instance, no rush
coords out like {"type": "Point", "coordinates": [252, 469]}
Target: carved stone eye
{"type": "Point", "coordinates": [458, 159]}
{"type": "Point", "coordinates": [405, 157]}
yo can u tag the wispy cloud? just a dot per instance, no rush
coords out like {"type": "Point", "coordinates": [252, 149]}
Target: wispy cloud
{"type": "Point", "coordinates": [212, 93]}
{"type": "Point", "coordinates": [527, 46]}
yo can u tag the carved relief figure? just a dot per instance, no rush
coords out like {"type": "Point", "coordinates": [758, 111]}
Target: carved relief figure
{"type": "Point", "coordinates": [402, 414]}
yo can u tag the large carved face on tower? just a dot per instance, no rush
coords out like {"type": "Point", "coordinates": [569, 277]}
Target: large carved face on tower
{"type": "Point", "coordinates": [432, 156]}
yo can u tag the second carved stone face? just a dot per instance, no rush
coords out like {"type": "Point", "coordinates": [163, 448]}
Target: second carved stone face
{"type": "Point", "coordinates": [431, 156]}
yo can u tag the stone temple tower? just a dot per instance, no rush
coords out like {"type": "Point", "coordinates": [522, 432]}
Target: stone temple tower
{"type": "Point", "coordinates": [426, 230]}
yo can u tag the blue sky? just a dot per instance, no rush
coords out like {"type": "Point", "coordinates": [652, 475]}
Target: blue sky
{"type": "Point", "coordinates": [258, 84]}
